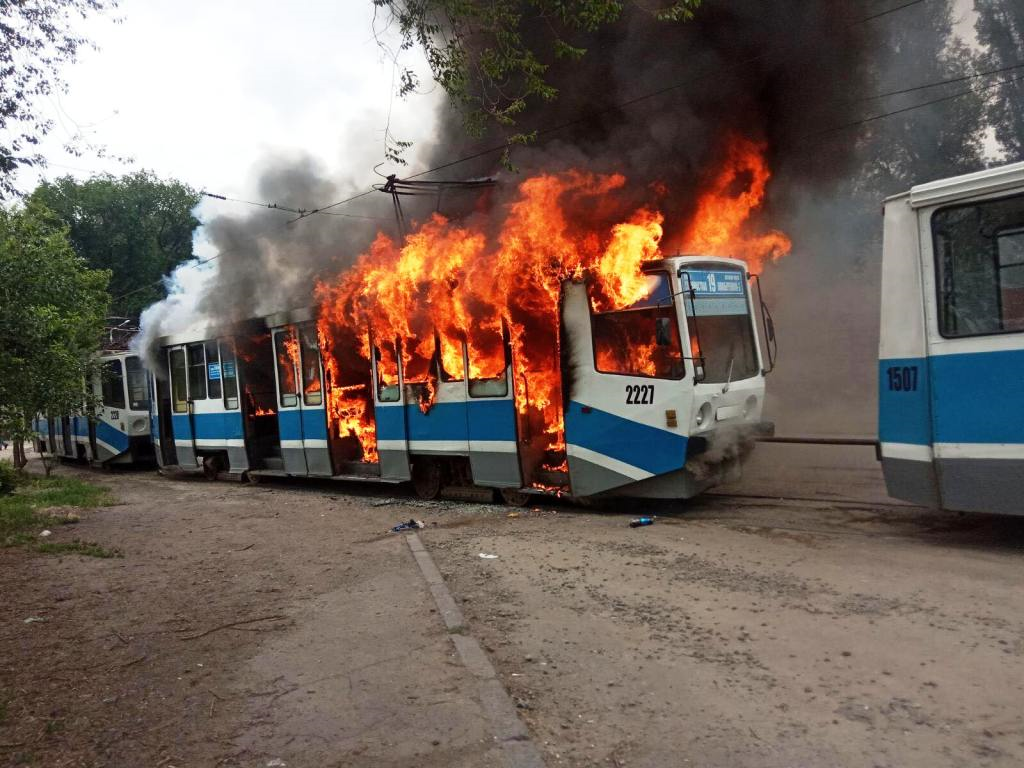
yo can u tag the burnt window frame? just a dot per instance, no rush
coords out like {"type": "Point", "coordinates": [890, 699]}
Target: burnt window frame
{"type": "Point", "coordinates": [304, 332]}
{"type": "Point", "coordinates": [675, 319]}
{"type": "Point", "coordinates": [378, 385]}
{"type": "Point", "coordinates": [277, 333]}
{"type": "Point", "coordinates": [937, 266]}
{"type": "Point", "coordinates": [506, 344]}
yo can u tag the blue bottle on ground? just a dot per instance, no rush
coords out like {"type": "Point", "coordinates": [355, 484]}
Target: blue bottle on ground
{"type": "Point", "coordinates": [638, 521]}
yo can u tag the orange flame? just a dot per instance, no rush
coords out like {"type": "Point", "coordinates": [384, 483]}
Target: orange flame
{"type": "Point", "coordinates": [451, 283]}
{"type": "Point", "coordinates": [717, 227]}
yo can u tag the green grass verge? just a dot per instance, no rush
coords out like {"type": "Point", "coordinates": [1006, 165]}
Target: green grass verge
{"type": "Point", "coordinates": [22, 518]}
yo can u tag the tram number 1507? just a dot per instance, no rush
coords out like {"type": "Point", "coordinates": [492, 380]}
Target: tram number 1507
{"type": "Point", "coordinates": [902, 378]}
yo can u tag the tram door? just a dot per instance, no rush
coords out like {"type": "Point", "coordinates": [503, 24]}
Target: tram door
{"type": "Point", "coordinates": [389, 416]}
{"type": "Point", "coordinates": [289, 401]}
{"type": "Point", "coordinates": [182, 431]}
{"type": "Point", "coordinates": [165, 425]}
{"type": "Point", "coordinates": [623, 417]}
{"type": "Point", "coordinates": [491, 421]}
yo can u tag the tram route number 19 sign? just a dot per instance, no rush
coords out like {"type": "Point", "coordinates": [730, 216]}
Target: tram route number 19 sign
{"type": "Point", "coordinates": [714, 282]}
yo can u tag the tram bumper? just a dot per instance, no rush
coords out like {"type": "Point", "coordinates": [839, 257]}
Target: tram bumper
{"type": "Point", "coordinates": [712, 458]}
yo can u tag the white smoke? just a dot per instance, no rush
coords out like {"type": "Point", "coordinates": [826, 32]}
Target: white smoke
{"type": "Point", "coordinates": [187, 287]}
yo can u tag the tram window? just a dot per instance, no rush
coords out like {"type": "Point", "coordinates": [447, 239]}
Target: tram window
{"type": "Point", "coordinates": [387, 375]}
{"type": "Point", "coordinates": [488, 371]}
{"type": "Point", "coordinates": [196, 372]}
{"type": "Point", "coordinates": [642, 339]}
{"type": "Point", "coordinates": [312, 390]}
{"type": "Point", "coordinates": [212, 370]}
{"type": "Point", "coordinates": [179, 371]}
{"type": "Point", "coordinates": [112, 379]}
{"type": "Point", "coordinates": [229, 375]}
{"type": "Point", "coordinates": [979, 259]}
{"type": "Point", "coordinates": [1010, 246]}
{"type": "Point", "coordinates": [138, 385]}
{"type": "Point", "coordinates": [286, 352]}
{"type": "Point", "coordinates": [449, 359]}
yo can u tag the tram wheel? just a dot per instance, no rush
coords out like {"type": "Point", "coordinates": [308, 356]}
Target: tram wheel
{"type": "Point", "coordinates": [211, 467]}
{"type": "Point", "coordinates": [426, 478]}
{"type": "Point", "coordinates": [514, 497]}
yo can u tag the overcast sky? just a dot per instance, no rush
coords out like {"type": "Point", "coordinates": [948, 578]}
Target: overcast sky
{"type": "Point", "coordinates": [205, 90]}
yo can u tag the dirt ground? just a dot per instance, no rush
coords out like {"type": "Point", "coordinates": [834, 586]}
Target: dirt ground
{"type": "Point", "coordinates": [798, 618]}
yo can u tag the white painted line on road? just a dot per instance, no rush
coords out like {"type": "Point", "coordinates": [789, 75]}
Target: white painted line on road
{"type": "Point", "coordinates": [517, 747]}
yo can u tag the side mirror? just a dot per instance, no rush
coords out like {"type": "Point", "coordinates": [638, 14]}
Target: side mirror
{"type": "Point", "coordinates": [663, 331]}
{"type": "Point", "coordinates": [771, 327]}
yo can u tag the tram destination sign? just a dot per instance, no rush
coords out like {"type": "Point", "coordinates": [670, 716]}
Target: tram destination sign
{"type": "Point", "coordinates": [714, 282]}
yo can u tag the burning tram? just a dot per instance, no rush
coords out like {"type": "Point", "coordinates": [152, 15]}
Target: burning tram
{"type": "Point", "coordinates": [657, 397]}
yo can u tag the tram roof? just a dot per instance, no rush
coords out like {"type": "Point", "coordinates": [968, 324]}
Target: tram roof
{"type": "Point", "coordinates": [988, 181]}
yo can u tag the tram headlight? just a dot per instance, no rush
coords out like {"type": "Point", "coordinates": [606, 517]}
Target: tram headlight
{"type": "Point", "coordinates": [750, 405]}
{"type": "Point", "coordinates": [704, 414]}
{"type": "Point", "coordinates": [138, 425]}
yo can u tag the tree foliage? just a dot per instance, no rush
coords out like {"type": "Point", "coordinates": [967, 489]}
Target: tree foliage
{"type": "Point", "coordinates": [481, 53]}
{"type": "Point", "coordinates": [1000, 28]}
{"type": "Point", "coordinates": [932, 142]}
{"type": "Point", "coordinates": [52, 309]}
{"type": "Point", "coordinates": [137, 226]}
{"type": "Point", "coordinates": [37, 39]}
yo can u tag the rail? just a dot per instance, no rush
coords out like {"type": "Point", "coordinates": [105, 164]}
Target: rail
{"type": "Point", "coordinates": [820, 440]}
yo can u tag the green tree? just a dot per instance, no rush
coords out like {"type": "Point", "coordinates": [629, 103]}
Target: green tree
{"type": "Point", "coordinates": [37, 39]}
{"type": "Point", "coordinates": [1000, 28]}
{"type": "Point", "coordinates": [480, 52]}
{"type": "Point", "coordinates": [137, 226]}
{"type": "Point", "coordinates": [52, 308]}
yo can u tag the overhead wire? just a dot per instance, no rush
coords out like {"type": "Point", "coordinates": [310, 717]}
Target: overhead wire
{"type": "Point", "coordinates": [594, 113]}
{"type": "Point", "coordinates": [950, 97]}
{"type": "Point", "coordinates": [278, 207]}
{"type": "Point", "coordinates": [158, 281]}
{"type": "Point", "coordinates": [887, 12]}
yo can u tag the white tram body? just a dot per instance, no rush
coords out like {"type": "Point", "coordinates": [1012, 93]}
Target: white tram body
{"type": "Point", "coordinates": [951, 350]}
{"type": "Point", "coordinates": [118, 430]}
{"type": "Point", "coordinates": [229, 400]}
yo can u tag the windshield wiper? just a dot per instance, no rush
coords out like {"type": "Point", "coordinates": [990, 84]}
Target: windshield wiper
{"type": "Point", "coordinates": [728, 376]}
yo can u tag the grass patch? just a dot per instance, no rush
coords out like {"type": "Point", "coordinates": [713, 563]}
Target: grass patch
{"type": "Point", "coordinates": [22, 518]}
{"type": "Point", "coordinates": [90, 548]}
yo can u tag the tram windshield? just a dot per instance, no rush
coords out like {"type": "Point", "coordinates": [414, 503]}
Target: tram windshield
{"type": "Point", "coordinates": [643, 338]}
{"type": "Point", "coordinates": [721, 331]}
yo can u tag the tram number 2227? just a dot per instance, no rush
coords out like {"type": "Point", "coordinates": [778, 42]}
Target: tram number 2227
{"type": "Point", "coordinates": [639, 394]}
{"type": "Point", "coordinates": [902, 378]}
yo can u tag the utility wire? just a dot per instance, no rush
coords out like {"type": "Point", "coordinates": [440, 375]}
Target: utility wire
{"type": "Point", "coordinates": [886, 13]}
{"type": "Point", "coordinates": [277, 207]}
{"type": "Point", "coordinates": [161, 279]}
{"type": "Point", "coordinates": [326, 208]}
{"type": "Point", "coordinates": [937, 83]}
{"type": "Point", "coordinates": [590, 115]}
{"type": "Point", "coordinates": [873, 118]}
